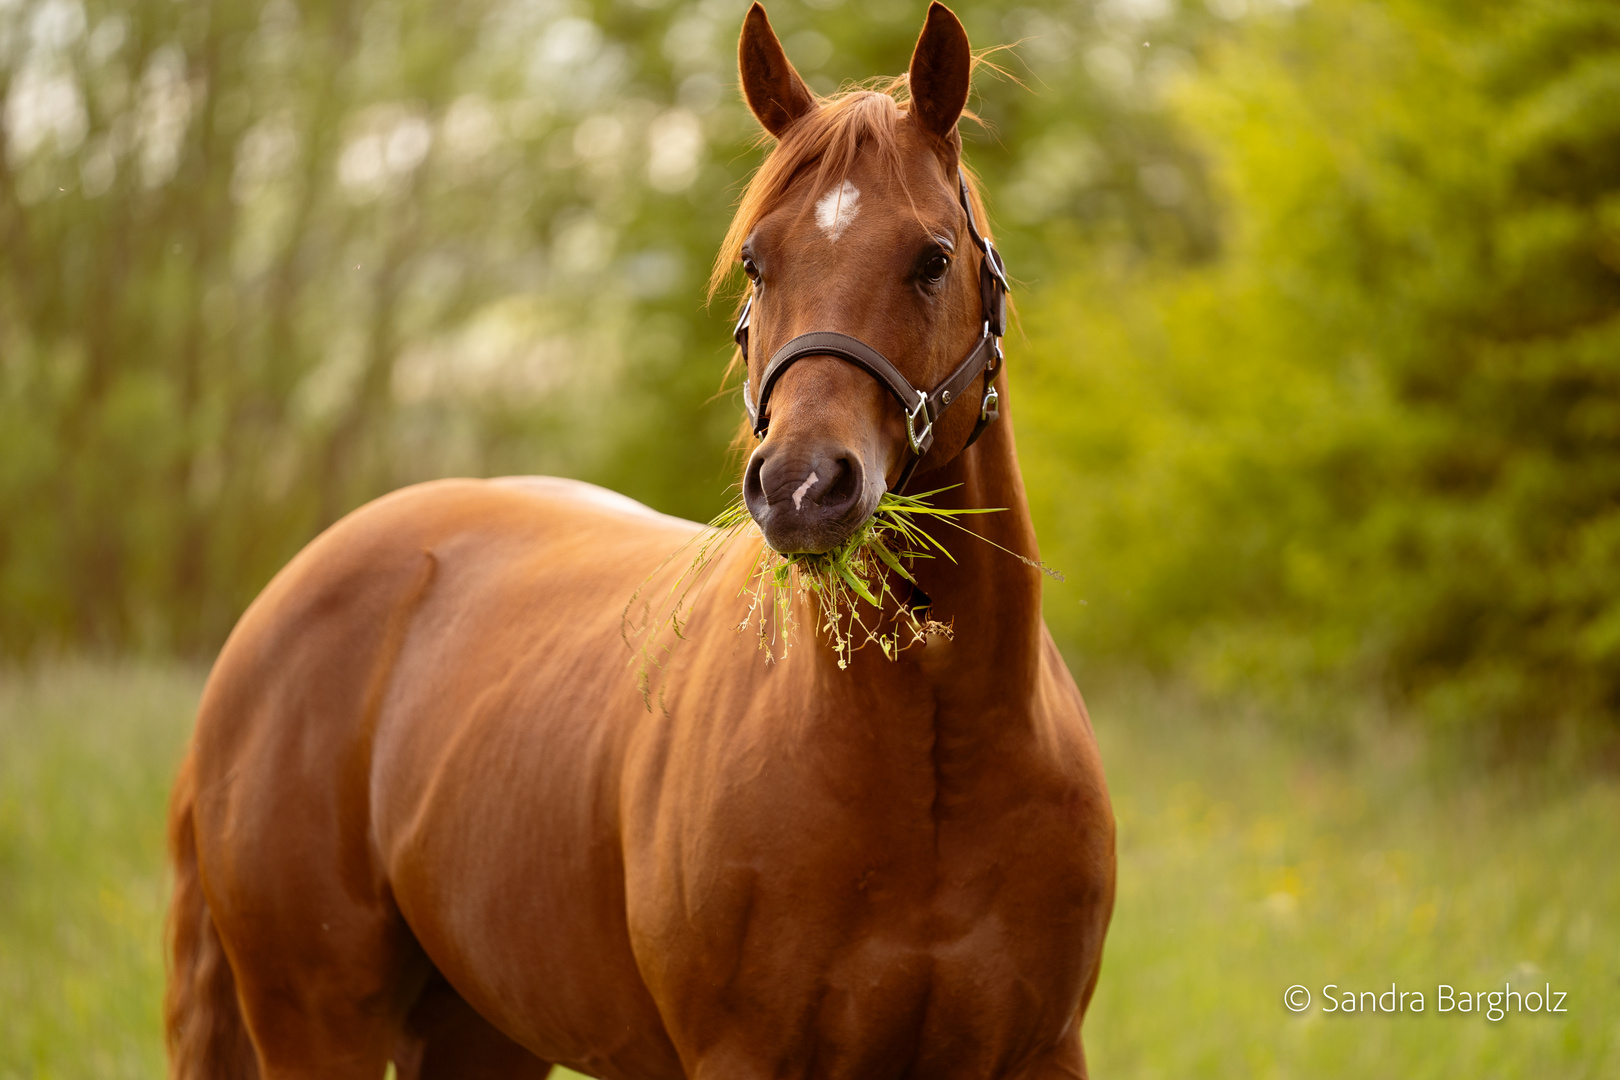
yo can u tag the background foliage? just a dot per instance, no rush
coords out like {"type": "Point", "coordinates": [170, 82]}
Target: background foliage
{"type": "Point", "coordinates": [1379, 433]}
{"type": "Point", "coordinates": [1320, 378]}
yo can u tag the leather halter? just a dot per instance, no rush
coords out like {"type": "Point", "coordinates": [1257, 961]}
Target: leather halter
{"type": "Point", "coordinates": [919, 408]}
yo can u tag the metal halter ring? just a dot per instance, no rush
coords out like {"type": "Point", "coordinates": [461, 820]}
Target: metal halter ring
{"type": "Point", "coordinates": [913, 436]}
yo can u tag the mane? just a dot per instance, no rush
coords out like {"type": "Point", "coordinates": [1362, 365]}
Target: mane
{"type": "Point", "coordinates": [827, 139]}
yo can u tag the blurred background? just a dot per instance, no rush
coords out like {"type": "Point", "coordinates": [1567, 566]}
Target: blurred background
{"type": "Point", "coordinates": [1316, 378]}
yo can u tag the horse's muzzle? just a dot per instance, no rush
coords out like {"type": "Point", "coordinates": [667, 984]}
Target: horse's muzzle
{"type": "Point", "coordinates": [807, 498]}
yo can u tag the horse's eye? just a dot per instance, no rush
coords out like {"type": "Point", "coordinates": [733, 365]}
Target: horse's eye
{"type": "Point", "coordinates": [935, 268]}
{"type": "Point", "coordinates": [750, 269]}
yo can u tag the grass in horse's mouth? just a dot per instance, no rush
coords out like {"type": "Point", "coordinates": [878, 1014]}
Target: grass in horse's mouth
{"type": "Point", "coordinates": [865, 570]}
{"type": "Point", "coordinates": [890, 540]}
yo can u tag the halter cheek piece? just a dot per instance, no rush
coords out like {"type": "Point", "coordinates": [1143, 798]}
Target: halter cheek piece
{"type": "Point", "coordinates": [921, 409]}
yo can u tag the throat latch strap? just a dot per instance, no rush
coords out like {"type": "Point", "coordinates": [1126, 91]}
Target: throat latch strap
{"type": "Point", "coordinates": [921, 409]}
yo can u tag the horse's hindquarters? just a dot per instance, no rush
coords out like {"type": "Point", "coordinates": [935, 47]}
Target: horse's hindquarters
{"type": "Point", "coordinates": [405, 758]}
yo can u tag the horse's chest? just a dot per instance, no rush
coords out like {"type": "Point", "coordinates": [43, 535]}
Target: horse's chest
{"type": "Point", "coordinates": [914, 904]}
{"type": "Point", "coordinates": [923, 988]}
{"type": "Point", "coordinates": [889, 945]}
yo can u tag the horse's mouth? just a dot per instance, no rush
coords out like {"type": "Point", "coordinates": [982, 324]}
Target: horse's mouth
{"type": "Point", "coordinates": [789, 533]}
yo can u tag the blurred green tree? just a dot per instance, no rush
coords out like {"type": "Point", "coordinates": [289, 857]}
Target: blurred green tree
{"type": "Point", "coordinates": [1380, 435]}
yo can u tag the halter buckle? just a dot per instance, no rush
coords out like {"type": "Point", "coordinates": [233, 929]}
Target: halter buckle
{"type": "Point", "coordinates": [919, 440]}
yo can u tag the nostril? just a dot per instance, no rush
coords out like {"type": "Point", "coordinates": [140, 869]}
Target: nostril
{"type": "Point", "coordinates": [845, 487]}
{"type": "Point", "coordinates": [754, 485]}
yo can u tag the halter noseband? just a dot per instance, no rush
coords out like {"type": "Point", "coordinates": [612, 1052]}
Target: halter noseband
{"type": "Point", "coordinates": [919, 407]}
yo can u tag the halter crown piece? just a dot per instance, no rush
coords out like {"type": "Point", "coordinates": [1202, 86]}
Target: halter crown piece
{"type": "Point", "coordinates": [921, 409]}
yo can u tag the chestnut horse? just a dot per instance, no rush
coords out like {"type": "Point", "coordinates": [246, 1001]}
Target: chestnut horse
{"type": "Point", "coordinates": [427, 816]}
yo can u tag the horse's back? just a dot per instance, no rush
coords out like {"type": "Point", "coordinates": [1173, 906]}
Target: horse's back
{"type": "Point", "coordinates": [322, 637]}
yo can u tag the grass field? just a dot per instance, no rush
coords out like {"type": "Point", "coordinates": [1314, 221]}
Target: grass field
{"type": "Point", "coordinates": [1249, 861]}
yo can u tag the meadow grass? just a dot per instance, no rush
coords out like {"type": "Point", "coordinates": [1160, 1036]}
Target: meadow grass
{"type": "Point", "coordinates": [1256, 854]}
{"type": "Point", "coordinates": [1251, 859]}
{"type": "Point", "coordinates": [87, 752]}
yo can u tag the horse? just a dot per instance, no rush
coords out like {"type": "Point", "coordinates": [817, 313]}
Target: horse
{"type": "Point", "coordinates": [428, 817]}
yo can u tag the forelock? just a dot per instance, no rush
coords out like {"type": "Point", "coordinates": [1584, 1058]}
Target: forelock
{"type": "Point", "coordinates": [827, 139]}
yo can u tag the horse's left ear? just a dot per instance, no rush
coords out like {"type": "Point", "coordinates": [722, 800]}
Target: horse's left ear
{"type": "Point", "coordinates": [941, 73]}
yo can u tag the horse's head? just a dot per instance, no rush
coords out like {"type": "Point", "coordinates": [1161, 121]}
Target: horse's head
{"type": "Point", "coordinates": [857, 224]}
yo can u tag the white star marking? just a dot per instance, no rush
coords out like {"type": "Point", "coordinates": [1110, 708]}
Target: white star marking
{"type": "Point", "coordinates": [836, 209]}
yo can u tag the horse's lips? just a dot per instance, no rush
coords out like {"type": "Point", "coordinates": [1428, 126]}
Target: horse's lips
{"type": "Point", "coordinates": [791, 526]}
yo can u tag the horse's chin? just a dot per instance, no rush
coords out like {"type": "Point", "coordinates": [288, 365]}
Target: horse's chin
{"type": "Point", "coordinates": [787, 536]}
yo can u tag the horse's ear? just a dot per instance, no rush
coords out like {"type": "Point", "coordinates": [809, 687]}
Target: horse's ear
{"type": "Point", "coordinates": [773, 89]}
{"type": "Point", "coordinates": [941, 73]}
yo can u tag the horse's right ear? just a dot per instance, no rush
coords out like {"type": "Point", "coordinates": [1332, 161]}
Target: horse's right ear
{"type": "Point", "coordinates": [773, 89]}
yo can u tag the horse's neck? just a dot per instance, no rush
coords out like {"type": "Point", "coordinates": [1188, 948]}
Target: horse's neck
{"type": "Point", "coordinates": [989, 597]}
